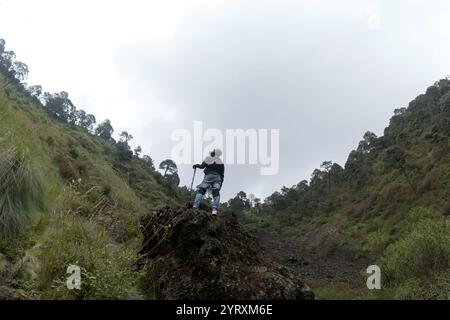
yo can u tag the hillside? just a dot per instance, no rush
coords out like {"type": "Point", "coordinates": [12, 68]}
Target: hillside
{"type": "Point", "coordinates": [388, 204]}
{"type": "Point", "coordinates": [71, 194]}
{"type": "Point", "coordinates": [71, 197]}
{"type": "Point", "coordinates": [68, 196]}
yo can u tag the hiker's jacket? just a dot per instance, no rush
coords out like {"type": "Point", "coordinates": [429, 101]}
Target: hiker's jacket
{"type": "Point", "coordinates": [213, 168]}
{"type": "Point", "coordinates": [213, 164]}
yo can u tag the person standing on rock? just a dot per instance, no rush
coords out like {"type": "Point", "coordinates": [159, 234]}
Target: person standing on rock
{"type": "Point", "coordinates": [214, 170]}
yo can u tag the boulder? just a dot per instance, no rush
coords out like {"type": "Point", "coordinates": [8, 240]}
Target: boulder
{"type": "Point", "coordinates": [6, 267]}
{"type": "Point", "coordinates": [7, 293]}
{"type": "Point", "coordinates": [190, 254]}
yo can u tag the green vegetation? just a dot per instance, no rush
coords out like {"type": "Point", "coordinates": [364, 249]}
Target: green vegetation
{"type": "Point", "coordinates": [387, 201]}
{"type": "Point", "coordinates": [71, 194]}
{"type": "Point", "coordinates": [341, 291]}
{"type": "Point", "coordinates": [20, 193]}
{"type": "Point", "coordinates": [418, 264]}
{"type": "Point", "coordinates": [77, 192]}
{"type": "Point", "coordinates": [106, 268]}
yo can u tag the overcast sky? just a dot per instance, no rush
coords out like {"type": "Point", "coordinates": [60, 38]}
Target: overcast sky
{"type": "Point", "coordinates": [323, 72]}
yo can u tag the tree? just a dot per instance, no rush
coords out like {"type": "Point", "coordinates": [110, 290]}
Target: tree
{"type": "Point", "coordinates": [123, 146]}
{"type": "Point", "coordinates": [104, 130]}
{"type": "Point", "coordinates": [168, 166]}
{"type": "Point", "coordinates": [173, 179]}
{"type": "Point", "coordinates": [356, 168]}
{"type": "Point", "coordinates": [89, 122]}
{"type": "Point", "coordinates": [396, 157]}
{"type": "Point", "coordinates": [125, 137]}
{"type": "Point", "coordinates": [20, 70]}
{"type": "Point", "coordinates": [34, 91]}
{"type": "Point", "coordinates": [59, 106]}
{"type": "Point", "coordinates": [302, 186]}
{"type": "Point", "coordinates": [399, 111]}
{"type": "Point", "coordinates": [257, 203]}
{"type": "Point", "coordinates": [317, 177]}
{"type": "Point", "coordinates": [85, 121]}
{"type": "Point", "coordinates": [7, 59]}
{"type": "Point", "coordinates": [239, 202]}
{"type": "Point", "coordinates": [368, 143]}
{"type": "Point", "coordinates": [337, 174]}
{"type": "Point", "coordinates": [137, 151]}
{"type": "Point", "coordinates": [10, 66]}
{"type": "Point", "coordinates": [149, 161]}
{"type": "Point", "coordinates": [326, 167]}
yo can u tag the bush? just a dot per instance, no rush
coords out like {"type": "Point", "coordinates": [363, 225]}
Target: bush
{"type": "Point", "coordinates": [106, 269]}
{"type": "Point", "coordinates": [20, 193]}
{"type": "Point", "coordinates": [416, 289]}
{"type": "Point", "coordinates": [417, 264]}
{"type": "Point", "coordinates": [66, 167]}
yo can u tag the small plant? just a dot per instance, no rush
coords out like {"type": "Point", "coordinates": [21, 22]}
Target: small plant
{"type": "Point", "coordinates": [20, 193]}
{"type": "Point", "coordinates": [417, 264]}
{"type": "Point", "coordinates": [106, 268]}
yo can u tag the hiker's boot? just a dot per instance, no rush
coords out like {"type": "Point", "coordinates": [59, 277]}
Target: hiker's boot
{"type": "Point", "coordinates": [214, 212]}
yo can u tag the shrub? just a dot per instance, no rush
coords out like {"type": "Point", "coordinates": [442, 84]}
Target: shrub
{"type": "Point", "coordinates": [20, 193]}
{"type": "Point", "coordinates": [66, 167]}
{"type": "Point", "coordinates": [51, 141]}
{"type": "Point", "coordinates": [106, 269]}
{"type": "Point", "coordinates": [73, 153]}
{"type": "Point", "coordinates": [417, 264]}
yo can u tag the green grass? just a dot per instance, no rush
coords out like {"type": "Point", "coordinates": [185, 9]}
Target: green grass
{"type": "Point", "coordinates": [92, 222]}
{"type": "Point", "coordinates": [106, 268]}
{"type": "Point", "coordinates": [418, 264]}
{"type": "Point", "coordinates": [341, 291]}
{"type": "Point", "coordinates": [20, 193]}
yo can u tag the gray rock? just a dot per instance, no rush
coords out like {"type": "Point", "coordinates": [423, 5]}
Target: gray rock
{"type": "Point", "coordinates": [29, 267]}
{"type": "Point", "coordinates": [6, 267]}
{"type": "Point", "coordinates": [192, 255]}
{"type": "Point", "coordinates": [7, 293]}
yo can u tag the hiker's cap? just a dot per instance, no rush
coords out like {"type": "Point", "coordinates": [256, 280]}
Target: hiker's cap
{"type": "Point", "coordinates": [214, 157]}
{"type": "Point", "coordinates": [216, 153]}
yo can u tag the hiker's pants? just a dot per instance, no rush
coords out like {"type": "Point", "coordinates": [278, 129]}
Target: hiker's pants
{"type": "Point", "coordinates": [212, 181]}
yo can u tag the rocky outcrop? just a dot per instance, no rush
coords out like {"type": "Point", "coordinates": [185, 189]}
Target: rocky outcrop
{"type": "Point", "coordinates": [7, 272]}
{"type": "Point", "coordinates": [190, 254]}
{"type": "Point", "coordinates": [7, 293]}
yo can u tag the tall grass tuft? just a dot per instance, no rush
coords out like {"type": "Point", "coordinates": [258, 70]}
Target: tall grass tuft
{"type": "Point", "coordinates": [20, 193]}
{"type": "Point", "coordinates": [107, 270]}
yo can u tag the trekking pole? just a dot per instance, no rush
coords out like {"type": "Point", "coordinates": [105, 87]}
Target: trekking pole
{"type": "Point", "coordinates": [192, 183]}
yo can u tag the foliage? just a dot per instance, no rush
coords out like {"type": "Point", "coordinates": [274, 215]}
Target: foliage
{"type": "Point", "coordinates": [106, 270]}
{"type": "Point", "coordinates": [20, 193]}
{"type": "Point", "coordinates": [385, 181]}
{"type": "Point", "coordinates": [419, 262]}
{"type": "Point", "coordinates": [92, 195]}
{"type": "Point", "coordinates": [104, 130]}
{"type": "Point", "coordinates": [15, 70]}
{"type": "Point", "coordinates": [168, 166]}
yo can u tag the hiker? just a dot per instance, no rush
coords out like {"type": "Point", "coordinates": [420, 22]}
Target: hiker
{"type": "Point", "coordinates": [214, 170]}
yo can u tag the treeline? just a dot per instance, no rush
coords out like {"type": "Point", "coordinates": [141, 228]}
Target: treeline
{"type": "Point", "coordinates": [381, 174]}
{"type": "Point", "coordinates": [59, 107]}
{"type": "Point", "coordinates": [304, 198]}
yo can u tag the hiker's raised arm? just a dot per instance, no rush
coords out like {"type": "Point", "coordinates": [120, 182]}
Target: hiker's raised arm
{"type": "Point", "coordinates": [199, 166]}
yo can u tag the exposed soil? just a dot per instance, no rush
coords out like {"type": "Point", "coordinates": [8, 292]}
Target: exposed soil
{"type": "Point", "coordinates": [315, 267]}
